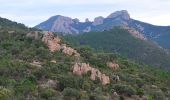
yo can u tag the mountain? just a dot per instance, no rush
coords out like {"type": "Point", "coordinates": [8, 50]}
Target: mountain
{"type": "Point", "coordinates": [66, 25]}
{"type": "Point", "coordinates": [38, 65]}
{"type": "Point", "coordinates": [121, 41]}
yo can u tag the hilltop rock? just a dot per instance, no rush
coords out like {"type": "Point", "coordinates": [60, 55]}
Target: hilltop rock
{"type": "Point", "coordinates": [121, 14]}
{"type": "Point", "coordinates": [87, 20]}
{"type": "Point", "coordinates": [98, 21]}
{"type": "Point", "coordinates": [54, 44]}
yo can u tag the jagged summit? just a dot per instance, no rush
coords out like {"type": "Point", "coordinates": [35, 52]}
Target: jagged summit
{"type": "Point", "coordinates": [67, 25]}
{"type": "Point", "coordinates": [121, 14]}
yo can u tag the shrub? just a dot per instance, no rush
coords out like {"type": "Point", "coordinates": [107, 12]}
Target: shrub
{"type": "Point", "coordinates": [125, 89]}
{"type": "Point", "coordinates": [48, 94]}
{"type": "Point", "coordinates": [4, 93]}
{"type": "Point", "coordinates": [70, 93]}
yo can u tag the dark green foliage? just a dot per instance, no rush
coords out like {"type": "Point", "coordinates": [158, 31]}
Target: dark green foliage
{"type": "Point", "coordinates": [70, 93]}
{"type": "Point", "coordinates": [125, 89]}
{"type": "Point", "coordinates": [121, 42]}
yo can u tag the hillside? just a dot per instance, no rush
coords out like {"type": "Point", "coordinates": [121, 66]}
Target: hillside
{"type": "Point", "coordinates": [36, 65]}
{"type": "Point", "coordinates": [120, 41]}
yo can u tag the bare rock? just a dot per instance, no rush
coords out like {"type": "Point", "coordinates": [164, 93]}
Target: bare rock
{"type": "Point", "coordinates": [53, 61]}
{"type": "Point", "coordinates": [82, 68]}
{"type": "Point", "coordinates": [135, 33]}
{"type": "Point", "coordinates": [36, 63]}
{"type": "Point", "coordinates": [113, 66]}
{"type": "Point", "coordinates": [87, 20]}
{"type": "Point", "coordinates": [98, 21]}
{"type": "Point", "coordinates": [69, 51]}
{"type": "Point", "coordinates": [121, 14]}
{"type": "Point", "coordinates": [52, 42]}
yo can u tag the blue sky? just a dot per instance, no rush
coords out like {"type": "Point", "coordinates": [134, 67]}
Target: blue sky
{"type": "Point", "coordinates": [32, 12]}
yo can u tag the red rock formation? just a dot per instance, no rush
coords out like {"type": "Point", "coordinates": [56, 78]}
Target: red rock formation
{"type": "Point", "coordinates": [82, 68]}
{"type": "Point", "coordinates": [54, 44]}
{"type": "Point", "coordinates": [69, 51]}
{"type": "Point", "coordinates": [113, 66]}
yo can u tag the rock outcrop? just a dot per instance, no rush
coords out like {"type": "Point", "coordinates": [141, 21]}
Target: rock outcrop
{"type": "Point", "coordinates": [37, 64]}
{"type": "Point", "coordinates": [98, 21]}
{"type": "Point", "coordinates": [135, 33]}
{"type": "Point", "coordinates": [82, 68]}
{"type": "Point", "coordinates": [69, 51]}
{"type": "Point", "coordinates": [54, 44]}
{"type": "Point", "coordinates": [121, 14]}
{"type": "Point", "coordinates": [113, 66]}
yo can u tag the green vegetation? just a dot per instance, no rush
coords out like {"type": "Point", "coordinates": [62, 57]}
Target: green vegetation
{"type": "Point", "coordinates": [20, 80]}
{"type": "Point", "coordinates": [120, 41]}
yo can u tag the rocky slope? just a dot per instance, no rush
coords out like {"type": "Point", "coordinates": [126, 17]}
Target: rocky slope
{"type": "Point", "coordinates": [66, 25]}
{"type": "Point", "coordinates": [37, 65]}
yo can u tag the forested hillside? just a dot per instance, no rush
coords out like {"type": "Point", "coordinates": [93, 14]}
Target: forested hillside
{"type": "Point", "coordinates": [32, 68]}
{"type": "Point", "coordinates": [120, 41]}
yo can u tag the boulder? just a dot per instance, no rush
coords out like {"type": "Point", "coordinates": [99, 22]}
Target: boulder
{"type": "Point", "coordinates": [113, 66]}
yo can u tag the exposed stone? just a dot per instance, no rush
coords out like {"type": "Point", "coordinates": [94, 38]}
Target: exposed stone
{"type": "Point", "coordinates": [121, 14]}
{"type": "Point", "coordinates": [98, 21]}
{"type": "Point", "coordinates": [63, 24]}
{"type": "Point", "coordinates": [82, 68]}
{"type": "Point", "coordinates": [52, 42]}
{"type": "Point", "coordinates": [87, 20]}
{"type": "Point", "coordinates": [76, 20]}
{"type": "Point", "coordinates": [36, 63]}
{"type": "Point", "coordinates": [113, 66]}
{"type": "Point", "coordinates": [154, 86]}
{"type": "Point", "coordinates": [53, 61]}
{"type": "Point", "coordinates": [69, 51]}
{"type": "Point", "coordinates": [134, 33]}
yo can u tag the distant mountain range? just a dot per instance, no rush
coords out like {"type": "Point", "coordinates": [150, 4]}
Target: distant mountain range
{"type": "Point", "coordinates": [67, 25]}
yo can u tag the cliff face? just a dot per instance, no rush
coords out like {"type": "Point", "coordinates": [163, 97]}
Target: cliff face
{"type": "Point", "coordinates": [67, 25]}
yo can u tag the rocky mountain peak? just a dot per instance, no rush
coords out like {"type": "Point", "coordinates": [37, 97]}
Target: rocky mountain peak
{"type": "Point", "coordinates": [87, 20]}
{"type": "Point", "coordinates": [98, 20]}
{"type": "Point", "coordinates": [123, 14]}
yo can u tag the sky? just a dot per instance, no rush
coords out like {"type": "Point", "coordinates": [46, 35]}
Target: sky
{"type": "Point", "coordinates": [33, 12]}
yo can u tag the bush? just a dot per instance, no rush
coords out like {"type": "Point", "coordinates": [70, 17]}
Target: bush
{"type": "Point", "coordinates": [48, 94]}
{"type": "Point", "coordinates": [70, 93]}
{"type": "Point", "coordinates": [4, 93]}
{"type": "Point", "coordinates": [125, 89]}
{"type": "Point", "coordinates": [158, 95]}
{"type": "Point", "coordinates": [140, 92]}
